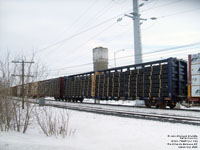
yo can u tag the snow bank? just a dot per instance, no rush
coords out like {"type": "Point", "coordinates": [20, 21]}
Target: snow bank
{"type": "Point", "coordinates": [100, 132]}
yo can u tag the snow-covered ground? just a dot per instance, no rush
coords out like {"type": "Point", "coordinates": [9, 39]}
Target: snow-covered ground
{"type": "Point", "coordinates": [114, 102]}
{"type": "Point", "coordinates": [134, 103]}
{"type": "Point", "coordinates": [100, 132]}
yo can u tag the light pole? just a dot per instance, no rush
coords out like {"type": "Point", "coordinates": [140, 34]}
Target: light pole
{"type": "Point", "coordinates": [115, 53]}
{"type": "Point", "coordinates": [136, 28]}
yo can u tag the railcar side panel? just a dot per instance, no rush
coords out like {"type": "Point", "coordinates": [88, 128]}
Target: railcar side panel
{"type": "Point", "coordinates": [156, 82]}
{"type": "Point", "coordinates": [194, 78]}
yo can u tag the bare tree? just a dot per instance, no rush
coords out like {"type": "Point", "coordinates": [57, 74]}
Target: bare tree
{"type": "Point", "coordinates": [53, 123]}
{"type": "Point", "coordinates": [6, 81]}
{"type": "Point", "coordinates": [11, 115]}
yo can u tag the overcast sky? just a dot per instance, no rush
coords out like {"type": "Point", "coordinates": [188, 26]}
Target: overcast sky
{"type": "Point", "coordinates": [62, 33]}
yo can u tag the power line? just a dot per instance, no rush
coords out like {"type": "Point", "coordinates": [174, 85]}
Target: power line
{"type": "Point", "coordinates": [79, 18]}
{"type": "Point", "coordinates": [154, 22]}
{"type": "Point", "coordinates": [94, 17]}
{"type": "Point", "coordinates": [166, 49]}
{"type": "Point", "coordinates": [81, 32]}
{"type": "Point", "coordinates": [85, 12]}
{"type": "Point", "coordinates": [70, 67]}
{"type": "Point", "coordinates": [98, 14]}
{"type": "Point", "coordinates": [173, 14]}
{"type": "Point", "coordinates": [165, 55]}
{"type": "Point", "coordinates": [99, 33]}
{"type": "Point", "coordinates": [152, 52]}
{"type": "Point", "coordinates": [171, 3]}
{"type": "Point", "coordinates": [180, 12]}
{"type": "Point", "coordinates": [176, 47]}
{"type": "Point", "coordinates": [129, 62]}
{"type": "Point", "coordinates": [154, 4]}
{"type": "Point", "coordinates": [169, 15]}
{"type": "Point", "coordinates": [118, 1]}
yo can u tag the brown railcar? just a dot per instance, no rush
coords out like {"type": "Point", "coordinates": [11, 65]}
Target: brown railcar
{"type": "Point", "coordinates": [51, 88]}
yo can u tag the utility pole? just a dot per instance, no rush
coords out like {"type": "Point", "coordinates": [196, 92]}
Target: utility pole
{"type": "Point", "coordinates": [136, 33]}
{"type": "Point", "coordinates": [22, 76]}
{"type": "Point", "coordinates": [136, 26]}
{"type": "Point", "coordinates": [22, 84]}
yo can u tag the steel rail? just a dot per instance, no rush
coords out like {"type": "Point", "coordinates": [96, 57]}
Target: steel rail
{"type": "Point", "coordinates": [85, 103]}
{"type": "Point", "coordinates": [189, 120]}
{"type": "Point", "coordinates": [131, 114]}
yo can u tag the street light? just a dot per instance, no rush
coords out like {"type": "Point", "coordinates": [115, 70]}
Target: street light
{"type": "Point", "coordinates": [115, 55]}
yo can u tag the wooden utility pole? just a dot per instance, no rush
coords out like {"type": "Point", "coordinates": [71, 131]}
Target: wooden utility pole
{"type": "Point", "coordinates": [22, 76]}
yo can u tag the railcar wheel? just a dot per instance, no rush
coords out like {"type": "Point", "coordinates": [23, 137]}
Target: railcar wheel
{"type": "Point", "coordinates": [162, 105]}
{"type": "Point", "coordinates": [81, 100]}
{"type": "Point", "coordinates": [148, 103]}
{"type": "Point", "coordinates": [157, 106]}
{"type": "Point", "coordinates": [172, 105]}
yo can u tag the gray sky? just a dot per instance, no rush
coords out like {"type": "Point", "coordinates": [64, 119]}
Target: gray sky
{"type": "Point", "coordinates": [63, 32]}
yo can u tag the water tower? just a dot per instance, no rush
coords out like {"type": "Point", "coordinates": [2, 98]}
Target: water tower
{"type": "Point", "coordinates": [100, 58]}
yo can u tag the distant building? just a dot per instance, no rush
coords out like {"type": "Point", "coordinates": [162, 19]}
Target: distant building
{"type": "Point", "coordinates": [100, 58]}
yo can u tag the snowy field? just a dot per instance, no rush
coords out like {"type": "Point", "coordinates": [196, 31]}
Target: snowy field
{"type": "Point", "coordinates": [100, 132]}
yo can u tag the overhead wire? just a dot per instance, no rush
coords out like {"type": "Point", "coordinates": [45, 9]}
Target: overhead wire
{"type": "Point", "coordinates": [115, 17]}
{"type": "Point", "coordinates": [100, 31]}
{"type": "Point", "coordinates": [61, 43]}
{"type": "Point", "coordinates": [151, 52]}
{"type": "Point", "coordinates": [81, 32]}
{"type": "Point", "coordinates": [179, 54]}
{"type": "Point", "coordinates": [96, 35]}
{"type": "Point", "coordinates": [192, 50]}
{"type": "Point", "coordinates": [103, 30]}
{"type": "Point", "coordinates": [177, 13]}
{"type": "Point", "coordinates": [92, 38]}
{"type": "Point", "coordinates": [162, 50]}
{"type": "Point", "coordinates": [153, 5]}
{"type": "Point", "coordinates": [78, 19]}
{"type": "Point", "coordinates": [118, 1]}
{"type": "Point", "coordinates": [154, 22]}
{"type": "Point", "coordinates": [169, 15]}
{"type": "Point", "coordinates": [98, 14]}
{"type": "Point", "coordinates": [128, 62]}
{"type": "Point", "coordinates": [164, 5]}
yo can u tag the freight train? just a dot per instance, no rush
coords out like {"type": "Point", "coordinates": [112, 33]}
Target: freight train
{"type": "Point", "coordinates": [159, 83]}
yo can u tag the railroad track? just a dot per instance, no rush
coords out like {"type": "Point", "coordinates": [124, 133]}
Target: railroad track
{"type": "Point", "coordinates": [128, 106]}
{"type": "Point", "coordinates": [157, 115]}
{"type": "Point", "coordinates": [132, 113]}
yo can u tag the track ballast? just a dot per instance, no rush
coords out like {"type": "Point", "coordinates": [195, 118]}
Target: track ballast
{"type": "Point", "coordinates": [116, 111]}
